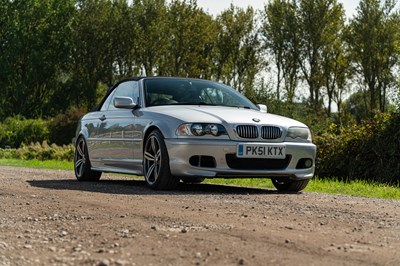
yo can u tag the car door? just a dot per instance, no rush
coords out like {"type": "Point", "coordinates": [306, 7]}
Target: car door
{"type": "Point", "coordinates": [96, 137]}
{"type": "Point", "coordinates": [119, 133]}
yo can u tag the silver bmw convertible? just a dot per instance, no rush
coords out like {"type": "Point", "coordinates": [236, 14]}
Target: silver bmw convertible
{"type": "Point", "coordinates": [180, 129]}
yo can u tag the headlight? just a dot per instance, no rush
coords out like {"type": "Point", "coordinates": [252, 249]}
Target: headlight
{"type": "Point", "coordinates": [298, 133]}
{"type": "Point", "coordinates": [200, 129]}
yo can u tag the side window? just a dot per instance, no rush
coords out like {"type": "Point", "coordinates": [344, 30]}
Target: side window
{"type": "Point", "coordinates": [106, 103]}
{"type": "Point", "coordinates": [136, 92]}
{"type": "Point", "coordinates": [126, 89]}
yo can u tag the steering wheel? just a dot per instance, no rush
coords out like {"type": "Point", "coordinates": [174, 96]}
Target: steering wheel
{"type": "Point", "coordinates": [161, 101]}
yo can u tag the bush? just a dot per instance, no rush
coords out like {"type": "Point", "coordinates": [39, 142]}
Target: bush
{"type": "Point", "coordinates": [369, 151]}
{"type": "Point", "coordinates": [14, 131]}
{"type": "Point", "coordinates": [62, 127]}
{"type": "Point", "coordinates": [39, 151]}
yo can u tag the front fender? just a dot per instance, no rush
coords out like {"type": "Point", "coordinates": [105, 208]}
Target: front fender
{"type": "Point", "coordinates": [80, 131]}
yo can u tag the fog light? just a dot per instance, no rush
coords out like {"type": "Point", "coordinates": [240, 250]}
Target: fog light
{"type": "Point", "coordinates": [308, 163]}
{"type": "Point", "coordinates": [304, 163]}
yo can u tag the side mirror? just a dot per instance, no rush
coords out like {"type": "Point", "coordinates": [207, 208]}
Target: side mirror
{"type": "Point", "coordinates": [124, 102]}
{"type": "Point", "coordinates": [262, 108]}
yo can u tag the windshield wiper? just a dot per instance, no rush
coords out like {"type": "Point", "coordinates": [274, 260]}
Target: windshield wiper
{"type": "Point", "coordinates": [209, 104]}
{"type": "Point", "coordinates": [239, 106]}
{"type": "Point", "coordinates": [191, 103]}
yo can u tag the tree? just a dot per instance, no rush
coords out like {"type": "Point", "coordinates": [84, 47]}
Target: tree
{"type": "Point", "coordinates": [335, 60]}
{"type": "Point", "coordinates": [374, 39]}
{"type": "Point", "coordinates": [191, 38]}
{"type": "Point", "coordinates": [6, 30]}
{"type": "Point", "coordinates": [93, 55]}
{"type": "Point", "coordinates": [125, 37]}
{"type": "Point", "coordinates": [237, 49]}
{"type": "Point", "coordinates": [280, 32]}
{"type": "Point", "coordinates": [152, 37]}
{"type": "Point", "coordinates": [34, 55]}
{"type": "Point", "coordinates": [319, 25]}
{"type": "Point", "coordinates": [341, 76]}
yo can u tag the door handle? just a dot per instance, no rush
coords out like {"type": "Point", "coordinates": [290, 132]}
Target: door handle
{"type": "Point", "coordinates": [102, 118]}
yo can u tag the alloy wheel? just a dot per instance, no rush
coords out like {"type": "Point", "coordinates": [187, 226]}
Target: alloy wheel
{"type": "Point", "coordinates": [80, 158]}
{"type": "Point", "coordinates": [152, 160]}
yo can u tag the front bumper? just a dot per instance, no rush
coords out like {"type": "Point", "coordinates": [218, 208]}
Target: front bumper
{"type": "Point", "coordinates": [181, 150]}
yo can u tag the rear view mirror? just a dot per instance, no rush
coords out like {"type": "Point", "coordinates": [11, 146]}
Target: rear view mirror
{"type": "Point", "coordinates": [124, 102]}
{"type": "Point", "coordinates": [262, 108]}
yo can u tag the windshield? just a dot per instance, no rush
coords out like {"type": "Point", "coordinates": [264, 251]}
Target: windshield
{"type": "Point", "coordinates": [173, 91]}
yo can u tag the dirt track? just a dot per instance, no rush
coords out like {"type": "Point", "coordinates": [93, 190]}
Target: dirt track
{"type": "Point", "coordinates": [48, 218]}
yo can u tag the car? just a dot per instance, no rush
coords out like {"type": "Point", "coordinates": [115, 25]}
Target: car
{"type": "Point", "coordinates": [171, 129]}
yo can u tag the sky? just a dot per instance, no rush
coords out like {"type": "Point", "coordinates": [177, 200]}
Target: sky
{"type": "Point", "coordinates": [216, 6]}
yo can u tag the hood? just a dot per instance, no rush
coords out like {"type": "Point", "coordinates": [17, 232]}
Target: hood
{"type": "Point", "coordinates": [222, 115]}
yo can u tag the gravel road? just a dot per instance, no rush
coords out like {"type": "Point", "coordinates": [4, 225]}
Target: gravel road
{"type": "Point", "coordinates": [49, 218]}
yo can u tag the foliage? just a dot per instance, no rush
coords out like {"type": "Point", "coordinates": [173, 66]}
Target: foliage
{"type": "Point", "coordinates": [63, 126]}
{"type": "Point", "coordinates": [282, 41]}
{"type": "Point", "coordinates": [56, 54]}
{"type": "Point", "coordinates": [320, 23]}
{"type": "Point", "coordinates": [92, 60]}
{"type": "Point", "coordinates": [151, 19]}
{"type": "Point", "coordinates": [40, 152]}
{"type": "Point", "coordinates": [35, 49]}
{"type": "Point", "coordinates": [374, 38]}
{"type": "Point", "coordinates": [191, 43]}
{"type": "Point", "coordinates": [18, 131]}
{"type": "Point", "coordinates": [15, 131]}
{"type": "Point", "coordinates": [237, 49]}
{"type": "Point", "coordinates": [369, 151]}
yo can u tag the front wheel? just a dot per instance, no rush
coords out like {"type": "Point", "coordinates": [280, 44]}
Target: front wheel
{"type": "Point", "coordinates": [82, 166]}
{"type": "Point", "coordinates": [156, 163]}
{"type": "Point", "coordinates": [290, 185]}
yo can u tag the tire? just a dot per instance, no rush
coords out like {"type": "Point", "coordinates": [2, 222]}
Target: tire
{"type": "Point", "coordinates": [192, 180]}
{"type": "Point", "coordinates": [290, 185]}
{"type": "Point", "coordinates": [82, 166]}
{"type": "Point", "coordinates": [156, 163]}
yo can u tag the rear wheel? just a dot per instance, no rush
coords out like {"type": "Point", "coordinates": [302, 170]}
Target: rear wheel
{"type": "Point", "coordinates": [82, 166]}
{"type": "Point", "coordinates": [290, 185]}
{"type": "Point", "coordinates": [156, 163]}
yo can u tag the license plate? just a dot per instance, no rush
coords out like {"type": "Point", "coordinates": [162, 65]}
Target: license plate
{"type": "Point", "coordinates": [252, 150]}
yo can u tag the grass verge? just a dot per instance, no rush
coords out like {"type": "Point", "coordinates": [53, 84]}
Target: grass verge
{"type": "Point", "coordinates": [51, 164]}
{"type": "Point", "coordinates": [354, 188]}
{"type": "Point", "coordinates": [330, 186]}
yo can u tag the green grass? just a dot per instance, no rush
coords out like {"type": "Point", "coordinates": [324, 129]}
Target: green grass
{"type": "Point", "coordinates": [331, 186]}
{"type": "Point", "coordinates": [57, 165]}
{"type": "Point", "coordinates": [354, 188]}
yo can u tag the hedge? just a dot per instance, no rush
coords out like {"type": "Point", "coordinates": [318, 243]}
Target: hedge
{"type": "Point", "coordinates": [369, 151]}
{"type": "Point", "coordinates": [16, 131]}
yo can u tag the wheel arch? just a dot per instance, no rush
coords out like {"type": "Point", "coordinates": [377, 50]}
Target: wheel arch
{"type": "Point", "coordinates": [82, 133]}
{"type": "Point", "coordinates": [148, 131]}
